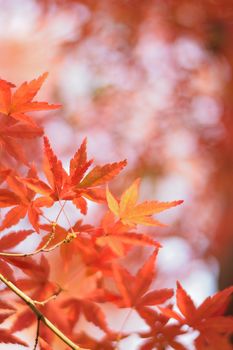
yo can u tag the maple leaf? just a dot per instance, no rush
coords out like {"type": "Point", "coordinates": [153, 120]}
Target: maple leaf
{"type": "Point", "coordinates": [12, 239]}
{"type": "Point", "coordinates": [107, 342]}
{"type": "Point", "coordinates": [91, 310]}
{"type": "Point", "coordinates": [38, 276]}
{"type": "Point", "coordinates": [14, 123]}
{"type": "Point", "coordinates": [161, 334]}
{"type": "Point", "coordinates": [208, 318]}
{"type": "Point", "coordinates": [53, 312]}
{"type": "Point", "coordinates": [24, 200]}
{"type": "Point", "coordinates": [8, 198]}
{"type": "Point", "coordinates": [9, 133]}
{"type": "Point", "coordinates": [114, 235]}
{"type": "Point", "coordinates": [74, 186]}
{"type": "Point", "coordinates": [134, 289]}
{"type": "Point", "coordinates": [86, 185]}
{"type": "Point", "coordinates": [20, 102]}
{"type": "Point", "coordinates": [36, 271]}
{"type": "Point", "coordinates": [9, 241]}
{"type": "Point", "coordinates": [8, 338]}
{"type": "Point", "coordinates": [6, 335]}
{"type": "Point", "coordinates": [133, 214]}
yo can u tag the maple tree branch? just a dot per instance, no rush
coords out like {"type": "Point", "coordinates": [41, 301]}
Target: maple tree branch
{"type": "Point", "coordinates": [40, 250]}
{"type": "Point", "coordinates": [68, 239]}
{"type": "Point", "coordinates": [39, 314]}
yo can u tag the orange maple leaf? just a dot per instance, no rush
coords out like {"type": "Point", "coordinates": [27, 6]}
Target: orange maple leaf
{"type": "Point", "coordinates": [20, 102]}
{"type": "Point", "coordinates": [133, 214]}
{"type": "Point", "coordinates": [14, 122]}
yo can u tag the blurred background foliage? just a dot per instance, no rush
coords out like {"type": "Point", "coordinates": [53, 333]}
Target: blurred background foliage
{"type": "Point", "coordinates": [150, 81]}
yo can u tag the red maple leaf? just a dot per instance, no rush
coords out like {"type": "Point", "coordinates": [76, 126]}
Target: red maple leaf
{"type": "Point", "coordinates": [107, 342]}
{"type": "Point", "coordinates": [161, 334]}
{"type": "Point", "coordinates": [117, 237]}
{"type": "Point", "coordinates": [10, 241]}
{"type": "Point", "coordinates": [25, 202]}
{"type": "Point", "coordinates": [91, 310]}
{"type": "Point", "coordinates": [6, 335]}
{"type": "Point", "coordinates": [76, 185]}
{"type": "Point", "coordinates": [14, 123]}
{"type": "Point", "coordinates": [134, 289]}
{"type": "Point", "coordinates": [208, 318]}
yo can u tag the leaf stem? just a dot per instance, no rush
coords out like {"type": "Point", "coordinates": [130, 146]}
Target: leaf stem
{"type": "Point", "coordinates": [39, 314]}
{"type": "Point", "coordinates": [37, 333]}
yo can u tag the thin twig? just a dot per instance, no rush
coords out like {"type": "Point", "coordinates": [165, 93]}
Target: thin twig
{"type": "Point", "coordinates": [40, 250]}
{"type": "Point", "coordinates": [37, 333]}
{"type": "Point", "coordinates": [39, 314]}
{"type": "Point", "coordinates": [119, 336]}
{"type": "Point", "coordinates": [60, 211]}
{"type": "Point", "coordinates": [45, 217]}
{"type": "Point", "coordinates": [52, 297]}
{"type": "Point", "coordinates": [68, 239]}
{"type": "Point", "coordinates": [66, 216]}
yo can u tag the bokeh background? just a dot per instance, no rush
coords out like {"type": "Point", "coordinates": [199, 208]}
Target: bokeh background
{"type": "Point", "coordinates": [150, 81]}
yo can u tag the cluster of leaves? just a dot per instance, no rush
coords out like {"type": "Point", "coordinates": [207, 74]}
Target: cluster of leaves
{"type": "Point", "coordinates": [100, 250]}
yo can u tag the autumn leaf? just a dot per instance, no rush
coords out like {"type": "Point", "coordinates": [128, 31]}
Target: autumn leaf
{"type": "Point", "coordinates": [20, 102]}
{"type": "Point", "coordinates": [161, 334]}
{"type": "Point", "coordinates": [9, 241]}
{"type": "Point", "coordinates": [6, 335]}
{"type": "Point", "coordinates": [134, 289]}
{"type": "Point", "coordinates": [105, 343]}
{"type": "Point", "coordinates": [8, 338]}
{"type": "Point", "coordinates": [88, 185]}
{"type": "Point", "coordinates": [208, 318]}
{"type": "Point", "coordinates": [76, 185]}
{"type": "Point", "coordinates": [12, 239]}
{"type": "Point", "coordinates": [23, 199]}
{"type": "Point", "coordinates": [14, 123]}
{"type": "Point", "coordinates": [10, 134]}
{"type": "Point", "coordinates": [92, 312]}
{"type": "Point", "coordinates": [115, 235]}
{"type": "Point", "coordinates": [133, 214]}
{"type": "Point", "coordinates": [37, 276]}
{"type": "Point", "coordinates": [8, 198]}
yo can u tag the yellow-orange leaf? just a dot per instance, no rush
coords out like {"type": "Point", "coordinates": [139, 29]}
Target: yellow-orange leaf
{"type": "Point", "coordinates": [112, 202]}
{"type": "Point", "coordinates": [133, 214]}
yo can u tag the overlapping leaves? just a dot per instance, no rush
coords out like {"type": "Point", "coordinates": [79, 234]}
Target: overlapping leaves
{"type": "Point", "coordinates": [15, 123]}
{"type": "Point", "coordinates": [208, 318]}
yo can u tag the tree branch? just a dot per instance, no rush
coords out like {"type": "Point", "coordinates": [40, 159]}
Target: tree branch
{"type": "Point", "coordinates": [39, 314]}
